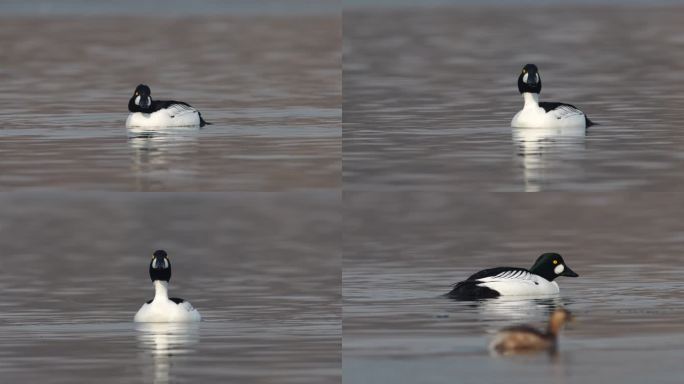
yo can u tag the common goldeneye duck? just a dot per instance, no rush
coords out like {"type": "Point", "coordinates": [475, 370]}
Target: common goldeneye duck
{"type": "Point", "coordinates": [163, 309]}
{"type": "Point", "coordinates": [545, 114]}
{"type": "Point", "coordinates": [526, 339]}
{"type": "Point", "coordinates": [513, 281]}
{"type": "Point", "coordinates": [148, 113]}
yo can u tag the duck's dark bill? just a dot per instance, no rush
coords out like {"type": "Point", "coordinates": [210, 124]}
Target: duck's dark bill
{"type": "Point", "coordinates": [158, 263]}
{"type": "Point", "coordinates": [569, 272]}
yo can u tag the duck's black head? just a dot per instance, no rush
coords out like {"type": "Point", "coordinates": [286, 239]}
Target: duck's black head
{"type": "Point", "coordinates": [160, 266]}
{"type": "Point", "coordinates": [529, 79]}
{"type": "Point", "coordinates": [141, 99]}
{"type": "Point", "coordinates": [550, 266]}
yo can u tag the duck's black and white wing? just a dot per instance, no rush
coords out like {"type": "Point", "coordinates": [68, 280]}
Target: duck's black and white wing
{"type": "Point", "coordinates": [494, 282]}
{"type": "Point", "coordinates": [182, 304]}
{"type": "Point", "coordinates": [174, 108]}
{"type": "Point", "coordinates": [502, 274]}
{"type": "Point", "coordinates": [498, 273]}
{"type": "Point", "coordinates": [563, 111]}
{"type": "Point", "coordinates": [190, 311]}
{"type": "Point", "coordinates": [482, 284]}
{"type": "Point", "coordinates": [179, 110]}
{"type": "Point", "coordinates": [508, 281]}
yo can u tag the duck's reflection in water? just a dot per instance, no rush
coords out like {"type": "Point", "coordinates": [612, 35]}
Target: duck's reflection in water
{"type": "Point", "coordinates": [165, 343]}
{"type": "Point", "coordinates": [507, 309]}
{"type": "Point", "coordinates": [153, 153]}
{"type": "Point", "coordinates": [543, 150]}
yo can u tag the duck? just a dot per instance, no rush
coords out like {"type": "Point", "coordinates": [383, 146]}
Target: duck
{"type": "Point", "coordinates": [526, 338]}
{"type": "Point", "coordinates": [149, 113]}
{"type": "Point", "coordinates": [537, 114]}
{"type": "Point", "coordinates": [162, 308]}
{"type": "Point", "coordinates": [514, 281]}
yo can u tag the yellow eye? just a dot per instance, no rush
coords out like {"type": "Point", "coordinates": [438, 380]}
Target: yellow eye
{"type": "Point", "coordinates": [555, 262]}
{"type": "Point", "coordinates": [136, 93]}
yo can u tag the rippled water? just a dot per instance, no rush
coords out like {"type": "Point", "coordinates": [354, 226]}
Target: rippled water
{"type": "Point", "coordinates": [402, 251]}
{"type": "Point", "coordinates": [262, 269]}
{"type": "Point", "coordinates": [430, 93]}
{"type": "Point", "coordinates": [270, 87]}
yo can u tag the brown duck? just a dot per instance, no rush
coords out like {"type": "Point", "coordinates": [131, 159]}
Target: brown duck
{"type": "Point", "coordinates": [527, 339]}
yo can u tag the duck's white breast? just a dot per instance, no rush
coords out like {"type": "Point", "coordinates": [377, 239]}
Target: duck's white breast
{"type": "Point", "coordinates": [166, 311]}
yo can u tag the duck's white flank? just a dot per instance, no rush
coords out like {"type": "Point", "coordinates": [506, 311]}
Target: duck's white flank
{"type": "Point", "coordinates": [534, 116]}
{"type": "Point", "coordinates": [163, 310]}
{"type": "Point", "coordinates": [176, 115]}
{"type": "Point", "coordinates": [520, 283]}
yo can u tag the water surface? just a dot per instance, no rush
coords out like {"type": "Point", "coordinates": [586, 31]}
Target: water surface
{"type": "Point", "coordinates": [403, 251]}
{"type": "Point", "coordinates": [262, 269]}
{"type": "Point", "coordinates": [430, 93]}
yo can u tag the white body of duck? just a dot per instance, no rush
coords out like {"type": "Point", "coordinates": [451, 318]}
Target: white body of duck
{"type": "Point", "coordinates": [176, 115]}
{"type": "Point", "coordinates": [161, 309]}
{"type": "Point", "coordinates": [519, 283]}
{"type": "Point", "coordinates": [534, 116]}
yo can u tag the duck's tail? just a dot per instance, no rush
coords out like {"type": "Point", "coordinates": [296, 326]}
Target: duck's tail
{"type": "Point", "coordinates": [471, 290]}
{"type": "Point", "coordinates": [588, 122]}
{"type": "Point", "coordinates": [202, 121]}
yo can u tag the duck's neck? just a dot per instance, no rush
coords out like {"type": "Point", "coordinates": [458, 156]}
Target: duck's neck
{"type": "Point", "coordinates": [531, 100]}
{"type": "Point", "coordinates": [554, 327]}
{"type": "Point", "coordinates": [133, 107]}
{"type": "Point", "coordinates": [544, 271]}
{"type": "Point", "coordinates": [161, 290]}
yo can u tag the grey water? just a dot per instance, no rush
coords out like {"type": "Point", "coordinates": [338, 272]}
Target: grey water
{"type": "Point", "coordinates": [430, 92]}
{"type": "Point", "coordinates": [270, 87]}
{"type": "Point", "coordinates": [409, 248]}
{"type": "Point", "coordinates": [262, 269]}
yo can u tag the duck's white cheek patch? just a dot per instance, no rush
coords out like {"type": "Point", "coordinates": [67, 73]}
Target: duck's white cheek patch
{"type": "Point", "coordinates": [559, 269]}
{"type": "Point", "coordinates": [166, 263]}
{"type": "Point", "coordinates": [137, 100]}
{"type": "Point", "coordinates": [525, 78]}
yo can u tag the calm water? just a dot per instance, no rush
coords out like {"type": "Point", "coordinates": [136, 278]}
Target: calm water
{"type": "Point", "coordinates": [263, 270]}
{"type": "Point", "coordinates": [429, 94]}
{"type": "Point", "coordinates": [402, 251]}
{"type": "Point", "coordinates": [270, 86]}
